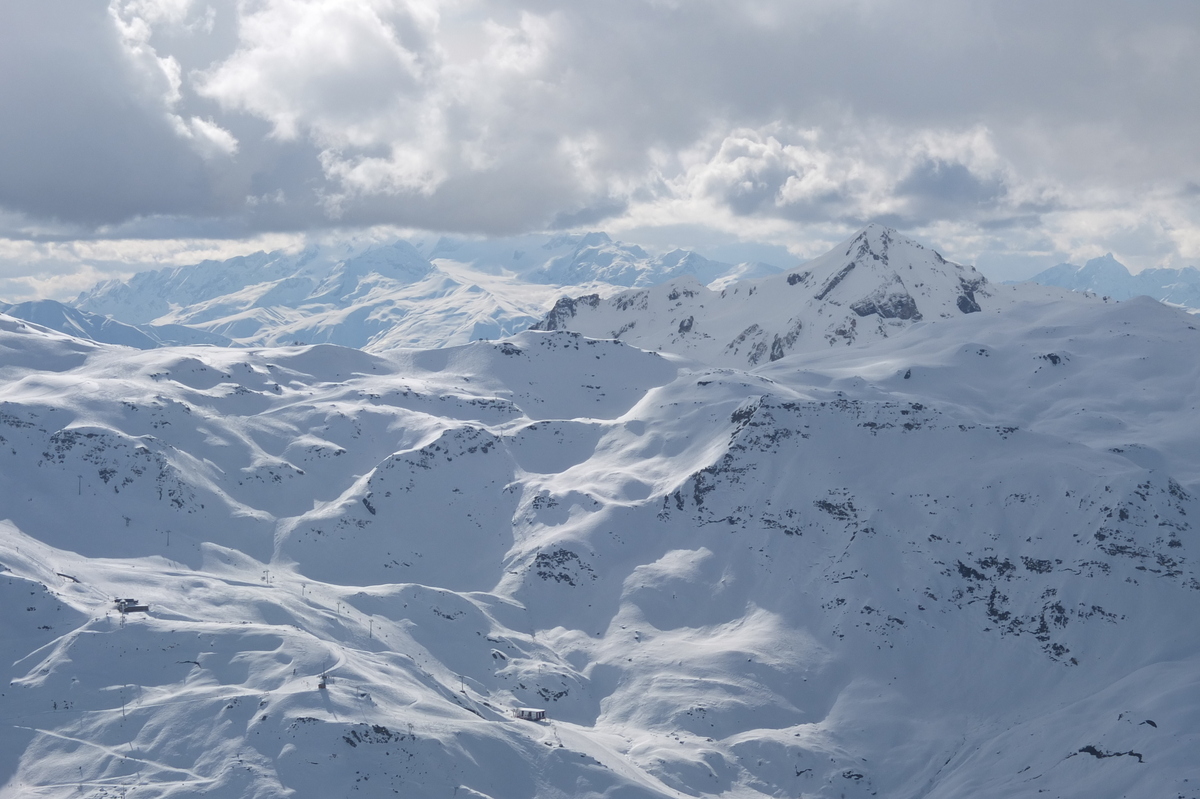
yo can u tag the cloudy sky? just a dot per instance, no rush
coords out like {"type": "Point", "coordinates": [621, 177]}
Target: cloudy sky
{"type": "Point", "coordinates": [1014, 134]}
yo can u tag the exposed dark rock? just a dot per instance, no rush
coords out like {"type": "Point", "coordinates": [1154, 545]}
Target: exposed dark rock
{"type": "Point", "coordinates": [1100, 754]}
{"type": "Point", "coordinates": [966, 303]}
{"type": "Point", "coordinates": [565, 309]}
{"type": "Point", "coordinates": [776, 349]}
{"type": "Point", "coordinates": [893, 306]}
{"type": "Point", "coordinates": [559, 564]}
{"type": "Point", "coordinates": [833, 281]}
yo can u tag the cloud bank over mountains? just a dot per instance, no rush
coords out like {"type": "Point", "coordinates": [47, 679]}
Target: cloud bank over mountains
{"type": "Point", "coordinates": [1017, 133]}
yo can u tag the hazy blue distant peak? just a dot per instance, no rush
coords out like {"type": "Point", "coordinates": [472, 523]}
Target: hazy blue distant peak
{"type": "Point", "coordinates": [596, 238]}
{"type": "Point", "coordinates": [1105, 265]}
{"type": "Point", "coordinates": [65, 319]}
{"type": "Point", "coordinates": [57, 316]}
{"type": "Point", "coordinates": [397, 294]}
{"type": "Point", "coordinates": [399, 260]}
{"type": "Point", "coordinates": [1108, 277]}
{"type": "Point", "coordinates": [678, 256]}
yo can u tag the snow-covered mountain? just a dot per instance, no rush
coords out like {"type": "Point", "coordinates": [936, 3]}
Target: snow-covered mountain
{"type": "Point", "coordinates": [581, 258]}
{"type": "Point", "coordinates": [1108, 277]}
{"type": "Point", "coordinates": [955, 560]}
{"type": "Point", "coordinates": [870, 287]}
{"type": "Point", "coordinates": [385, 296]}
{"type": "Point", "coordinates": [106, 330]}
{"type": "Point", "coordinates": [378, 299]}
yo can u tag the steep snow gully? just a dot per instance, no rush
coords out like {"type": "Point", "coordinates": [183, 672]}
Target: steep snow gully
{"type": "Point", "coordinates": [948, 551]}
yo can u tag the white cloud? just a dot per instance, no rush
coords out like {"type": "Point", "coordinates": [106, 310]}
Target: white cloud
{"type": "Point", "coordinates": [358, 77]}
{"type": "Point", "coordinates": [159, 75]}
{"type": "Point", "coordinates": [1004, 126]}
{"type": "Point", "coordinates": [61, 269]}
{"type": "Point", "coordinates": [854, 172]}
{"type": "Point", "coordinates": [161, 78]}
{"type": "Point", "coordinates": [211, 139]}
{"type": "Point", "coordinates": [153, 12]}
{"type": "Point", "coordinates": [345, 71]}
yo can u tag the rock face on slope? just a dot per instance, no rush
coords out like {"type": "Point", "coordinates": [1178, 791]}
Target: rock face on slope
{"type": "Point", "coordinates": [866, 289]}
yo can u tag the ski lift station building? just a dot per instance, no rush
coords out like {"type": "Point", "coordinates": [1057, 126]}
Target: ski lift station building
{"type": "Point", "coordinates": [529, 713]}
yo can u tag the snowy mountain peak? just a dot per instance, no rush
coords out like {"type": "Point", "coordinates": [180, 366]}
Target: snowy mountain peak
{"type": "Point", "coordinates": [1105, 269]}
{"type": "Point", "coordinates": [1108, 277]}
{"type": "Point", "coordinates": [63, 318]}
{"type": "Point", "coordinates": [399, 262]}
{"type": "Point", "coordinates": [869, 287]}
{"type": "Point", "coordinates": [591, 257]}
{"type": "Point", "coordinates": [883, 273]}
{"type": "Point", "coordinates": [1105, 265]}
{"type": "Point", "coordinates": [596, 238]}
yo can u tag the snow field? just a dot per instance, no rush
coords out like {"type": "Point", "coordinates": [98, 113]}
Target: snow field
{"type": "Point", "coordinates": [937, 563]}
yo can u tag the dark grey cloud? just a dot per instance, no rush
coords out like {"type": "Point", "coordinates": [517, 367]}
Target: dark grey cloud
{"type": "Point", "coordinates": [937, 189]}
{"type": "Point", "coordinates": [177, 118]}
{"type": "Point", "coordinates": [945, 183]}
{"type": "Point", "coordinates": [77, 144]}
{"type": "Point", "coordinates": [1025, 221]}
{"type": "Point", "coordinates": [588, 217]}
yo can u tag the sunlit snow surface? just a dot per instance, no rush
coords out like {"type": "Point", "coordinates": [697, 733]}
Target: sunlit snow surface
{"type": "Point", "coordinates": [955, 560]}
{"type": "Point", "coordinates": [377, 299]}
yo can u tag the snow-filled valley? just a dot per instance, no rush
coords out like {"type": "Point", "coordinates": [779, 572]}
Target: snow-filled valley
{"type": "Point", "coordinates": [947, 551]}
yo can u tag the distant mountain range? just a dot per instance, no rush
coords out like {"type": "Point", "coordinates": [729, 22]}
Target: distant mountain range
{"type": "Point", "coordinates": [579, 259]}
{"type": "Point", "coordinates": [1108, 277]}
{"type": "Point", "coordinates": [448, 292]}
{"type": "Point", "coordinates": [95, 327]}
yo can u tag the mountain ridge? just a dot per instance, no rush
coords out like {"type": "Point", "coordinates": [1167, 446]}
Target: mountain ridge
{"type": "Point", "coordinates": [1108, 277]}
{"type": "Point", "coordinates": [849, 295]}
{"type": "Point", "coordinates": [389, 295]}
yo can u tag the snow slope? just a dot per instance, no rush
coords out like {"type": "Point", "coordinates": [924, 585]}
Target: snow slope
{"type": "Point", "coordinates": [956, 559]}
{"type": "Point", "coordinates": [870, 287]}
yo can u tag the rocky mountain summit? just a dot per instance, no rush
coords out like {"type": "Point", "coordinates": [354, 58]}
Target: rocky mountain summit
{"type": "Point", "coordinates": [870, 287]}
